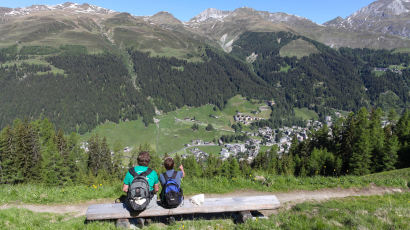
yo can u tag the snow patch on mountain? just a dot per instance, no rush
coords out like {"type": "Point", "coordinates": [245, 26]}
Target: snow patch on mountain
{"type": "Point", "coordinates": [210, 13]}
{"type": "Point", "coordinates": [68, 6]}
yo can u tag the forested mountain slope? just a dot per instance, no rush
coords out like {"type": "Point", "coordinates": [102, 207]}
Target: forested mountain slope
{"type": "Point", "coordinates": [81, 65]}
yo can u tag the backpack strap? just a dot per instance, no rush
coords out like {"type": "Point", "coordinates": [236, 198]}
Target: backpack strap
{"type": "Point", "coordinates": [132, 172]}
{"type": "Point", "coordinates": [165, 176]}
{"type": "Point", "coordinates": [146, 173]}
{"type": "Point", "coordinates": [174, 175]}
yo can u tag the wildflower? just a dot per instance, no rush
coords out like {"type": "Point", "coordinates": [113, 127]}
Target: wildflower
{"type": "Point", "coordinates": [100, 184]}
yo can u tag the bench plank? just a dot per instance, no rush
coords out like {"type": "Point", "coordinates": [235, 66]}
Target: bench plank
{"type": "Point", "coordinates": [210, 205]}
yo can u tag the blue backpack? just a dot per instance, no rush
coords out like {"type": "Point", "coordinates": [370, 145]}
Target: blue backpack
{"type": "Point", "coordinates": [171, 194]}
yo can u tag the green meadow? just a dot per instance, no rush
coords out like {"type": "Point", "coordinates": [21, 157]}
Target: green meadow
{"type": "Point", "coordinates": [173, 129]}
{"type": "Point", "coordinates": [41, 194]}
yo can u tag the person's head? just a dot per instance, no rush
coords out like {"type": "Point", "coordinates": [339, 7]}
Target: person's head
{"type": "Point", "coordinates": [143, 158]}
{"type": "Point", "coordinates": [169, 163]}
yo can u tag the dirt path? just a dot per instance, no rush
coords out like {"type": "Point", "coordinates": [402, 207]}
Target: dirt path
{"type": "Point", "coordinates": [287, 199]}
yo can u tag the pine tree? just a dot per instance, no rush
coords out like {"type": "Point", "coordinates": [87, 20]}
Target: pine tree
{"type": "Point", "coordinates": [389, 157]}
{"type": "Point", "coordinates": [361, 156]}
{"type": "Point", "coordinates": [234, 169]}
{"type": "Point", "coordinates": [28, 153]}
{"type": "Point", "coordinates": [118, 171]}
{"type": "Point", "coordinates": [376, 140]}
{"type": "Point", "coordinates": [402, 130]}
{"type": "Point", "coordinates": [94, 161]}
{"type": "Point", "coordinates": [106, 161]}
{"type": "Point", "coordinates": [63, 159]}
{"type": "Point", "coordinates": [8, 157]}
{"type": "Point", "coordinates": [273, 160]}
{"type": "Point", "coordinates": [347, 142]}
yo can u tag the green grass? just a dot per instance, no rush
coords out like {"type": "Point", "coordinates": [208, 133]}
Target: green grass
{"type": "Point", "coordinates": [378, 73]}
{"type": "Point", "coordinates": [24, 219]}
{"type": "Point", "coordinates": [402, 50]}
{"type": "Point", "coordinates": [169, 136]}
{"type": "Point", "coordinates": [284, 68]}
{"type": "Point", "coordinates": [173, 131]}
{"type": "Point", "coordinates": [70, 194]}
{"type": "Point", "coordinates": [306, 114]}
{"type": "Point", "coordinates": [40, 194]}
{"type": "Point", "coordinates": [240, 104]}
{"type": "Point", "coordinates": [38, 50]}
{"type": "Point", "coordinates": [368, 212]}
{"type": "Point", "coordinates": [37, 60]}
{"type": "Point", "coordinates": [211, 149]}
{"type": "Point", "coordinates": [299, 48]}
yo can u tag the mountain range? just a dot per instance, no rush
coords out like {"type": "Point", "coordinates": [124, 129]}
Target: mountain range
{"type": "Point", "coordinates": [382, 24]}
{"type": "Point", "coordinates": [237, 52]}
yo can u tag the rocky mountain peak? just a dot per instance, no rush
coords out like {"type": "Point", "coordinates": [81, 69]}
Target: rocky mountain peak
{"type": "Point", "coordinates": [384, 8]}
{"type": "Point", "coordinates": [382, 16]}
{"type": "Point", "coordinates": [210, 13]}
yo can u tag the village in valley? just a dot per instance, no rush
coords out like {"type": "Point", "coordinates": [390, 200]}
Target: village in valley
{"type": "Point", "coordinates": [250, 148]}
{"type": "Point", "coordinates": [257, 139]}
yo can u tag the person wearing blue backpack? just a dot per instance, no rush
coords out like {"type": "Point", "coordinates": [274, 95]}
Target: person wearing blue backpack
{"type": "Point", "coordinates": [171, 194]}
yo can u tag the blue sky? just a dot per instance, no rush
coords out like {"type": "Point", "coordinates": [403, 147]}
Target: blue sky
{"type": "Point", "coordinates": [317, 10]}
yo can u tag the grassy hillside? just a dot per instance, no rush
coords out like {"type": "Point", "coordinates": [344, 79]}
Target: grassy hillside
{"type": "Point", "coordinates": [306, 114]}
{"type": "Point", "coordinates": [299, 48]}
{"type": "Point", "coordinates": [173, 129]}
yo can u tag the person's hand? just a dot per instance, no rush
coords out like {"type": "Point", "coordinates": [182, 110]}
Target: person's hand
{"type": "Point", "coordinates": [181, 167]}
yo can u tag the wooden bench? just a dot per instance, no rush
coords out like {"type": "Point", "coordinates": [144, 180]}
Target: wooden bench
{"type": "Point", "coordinates": [210, 205]}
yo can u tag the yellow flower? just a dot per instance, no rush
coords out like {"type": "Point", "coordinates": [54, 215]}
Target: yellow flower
{"type": "Point", "coordinates": [100, 184]}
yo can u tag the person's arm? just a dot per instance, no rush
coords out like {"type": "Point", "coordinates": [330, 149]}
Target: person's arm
{"type": "Point", "coordinates": [156, 188]}
{"type": "Point", "coordinates": [125, 188]}
{"type": "Point", "coordinates": [182, 170]}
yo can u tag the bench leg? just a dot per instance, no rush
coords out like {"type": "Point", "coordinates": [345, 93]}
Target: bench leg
{"type": "Point", "coordinates": [122, 223]}
{"type": "Point", "coordinates": [140, 222]}
{"type": "Point", "coordinates": [171, 220]}
{"type": "Point", "coordinates": [244, 216]}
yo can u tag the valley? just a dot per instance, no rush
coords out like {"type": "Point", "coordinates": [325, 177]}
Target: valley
{"type": "Point", "coordinates": [248, 101]}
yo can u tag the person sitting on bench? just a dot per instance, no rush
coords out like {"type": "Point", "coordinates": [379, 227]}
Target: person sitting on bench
{"type": "Point", "coordinates": [171, 194]}
{"type": "Point", "coordinates": [151, 177]}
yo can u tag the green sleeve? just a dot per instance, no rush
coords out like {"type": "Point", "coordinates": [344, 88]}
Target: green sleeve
{"type": "Point", "coordinates": [128, 178]}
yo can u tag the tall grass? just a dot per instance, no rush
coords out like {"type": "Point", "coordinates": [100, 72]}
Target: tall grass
{"type": "Point", "coordinates": [39, 194]}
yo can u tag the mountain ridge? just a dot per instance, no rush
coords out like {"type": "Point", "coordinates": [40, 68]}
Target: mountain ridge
{"type": "Point", "coordinates": [382, 16]}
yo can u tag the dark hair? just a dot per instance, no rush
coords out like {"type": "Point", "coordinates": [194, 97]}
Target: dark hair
{"type": "Point", "coordinates": [143, 158]}
{"type": "Point", "coordinates": [169, 163]}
